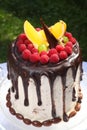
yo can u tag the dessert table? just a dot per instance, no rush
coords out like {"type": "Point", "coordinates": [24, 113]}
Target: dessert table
{"type": "Point", "coordinates": [8, 124]}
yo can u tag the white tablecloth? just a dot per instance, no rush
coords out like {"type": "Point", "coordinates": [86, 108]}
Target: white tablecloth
{"type": "Point", "coordinates": [6, 124]}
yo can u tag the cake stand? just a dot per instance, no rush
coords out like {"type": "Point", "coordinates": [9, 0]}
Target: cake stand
{"type": "Point", "coordinates": [78, 122]}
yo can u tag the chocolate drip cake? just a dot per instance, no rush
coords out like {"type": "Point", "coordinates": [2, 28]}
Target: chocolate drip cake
{"type": "Point", "coordinates": [45, 69]}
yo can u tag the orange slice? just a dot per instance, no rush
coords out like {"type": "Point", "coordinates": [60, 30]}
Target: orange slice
{"type": "Point", "coordinates": [58, 29]}
{"type": "Point", "coordinates": [35, 37]}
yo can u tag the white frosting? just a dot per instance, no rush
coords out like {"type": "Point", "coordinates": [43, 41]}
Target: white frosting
{"type": "Point", "coordinates": [44, 112]}
{"type": "Point", "coordinates": [58, 96]}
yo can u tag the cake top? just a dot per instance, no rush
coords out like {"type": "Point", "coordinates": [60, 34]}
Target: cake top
{"type": "Point", "coordinates": [45, 45]}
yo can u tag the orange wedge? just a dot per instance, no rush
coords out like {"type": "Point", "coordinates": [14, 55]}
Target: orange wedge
{"type": "Point", "coordinates": [35, 37]}
{"type": "Point", "coordinates": [58, 29]}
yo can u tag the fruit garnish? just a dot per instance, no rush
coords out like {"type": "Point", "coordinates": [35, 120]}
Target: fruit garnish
{"type": "Point", "coordinates": [65, 39]}
{"type": "Point", "coordinates": [52, 51]}
{"type": "Point", "coordinates": [42, 47]}
{"type": "Point", "coordinates": [59, 48]}
{"type": "Point", "coordinates": [68, 34]}
{"type": "Point", "coordinates": [34, 50]}
{"type": "Point", "coordinates": [69, 43]}
{"type": "Point", "coordinates": [45, 45]}
{"type": "Point", "coordinates": [20, 41]}
{"type": "Point", "coordinates": [21, 47]}
{"type": "Point", "coordinates": [27, 42]}
{"type": "Point", "coordinates": [35, 57]}
{"type": "Point", "coordinates": [26, 54]}
{"type": "Point", "coordinates": [38, 29]}
{"type": "Point", "coordinates": [22, 36]}
{"type": "Point", "coordinates": [33, 35]}
{"type": "Point", "coordinates": [63, 55]}
{"type": "Point", "coordinates": [58, 29]}
{"type": "Point", "coordinates": [43, 36]}
{"type": "Point", "coordinates": [44, 59]}
{"type": "Point", "coordinates": [54, 58]}
{"type": "Point", "coordinates": [68, 49]}
{"type": "Point", "coordinates": [48, 36]}
{"type": "Point", "coordinates": [43, 53]}
{"type": "Point", "coordinates": [73, 40]}
{"type": "Point", "coordinates": [30, 46]}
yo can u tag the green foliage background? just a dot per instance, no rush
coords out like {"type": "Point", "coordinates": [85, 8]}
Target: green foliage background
{"type": "Point", "coordinates": [13, 13]}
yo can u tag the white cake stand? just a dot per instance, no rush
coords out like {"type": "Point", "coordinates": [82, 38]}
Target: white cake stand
{"type": "Point", "coordinates": [78, 122]}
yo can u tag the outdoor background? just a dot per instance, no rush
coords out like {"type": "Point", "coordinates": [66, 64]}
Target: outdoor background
{"type": "Point", "coordinates": [13, 13]}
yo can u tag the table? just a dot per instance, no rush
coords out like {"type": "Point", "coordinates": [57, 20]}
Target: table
{"type": "Point", "coordinates": [6, 124]}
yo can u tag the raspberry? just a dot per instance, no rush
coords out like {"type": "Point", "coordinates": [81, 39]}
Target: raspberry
{"type": "Point", "coordinates": [54, 58]}
{"type": "Point", "coordinates": [19, 42]}
{"type": "Point", "coordinates": [59, 48]}
{"type": "Point", "coordinates": [30, 47]}
{"type": "Point", "coordinates": [68, 34]}
{"type": "Point", "coordinates": [73, 40]}
{"type": "Point", "coordinates": [34, 50]}
{"type": "Point", "coordinates": [38, 29]}
{"type": "Point", "coordinates": [63, 55]}
{"type": "Point", "coordinates": [26, 54]}
{"type": "Point", "coordinates": [27, 42]}
{"type": "Point", "coordinates": [34, 57]}
{"type": "Point", "coordinates": [69, 44]}
{"type": "Point", "coordinates": [43, 53]}
{"type": "Point", "coordinates": [68, 49]}
{"type": "Point", "coordinates": [52, 51]}
{"type": "Point", "coordinates": [44, 59]}
{"type": "Point", "coordinates": [22, 36]}
{"type": "Point", "coordinates": [21, 47]}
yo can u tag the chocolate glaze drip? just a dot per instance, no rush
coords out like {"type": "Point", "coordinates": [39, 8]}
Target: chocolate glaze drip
{"type": "Point", "coordinates": [18, 67]}
{"type": "Point", "coordinates": [12, 89]}
{"type": "Point", "coordinates": [25, 79]}
{"type": "Point", "coordinates": [65, 117]}
{"type": "Point", "coordinates": [14, 80]}
{"type": "Point", "coordinates": [50, 37]}
{"type": "Point", "coordinates": [51, 81]}
{"type": "Point", "coordinates": [73, 94]}
{"type": "Point", "coordinates": [37, 79]}
{"type": "Point", "coordinates": [74, 71]}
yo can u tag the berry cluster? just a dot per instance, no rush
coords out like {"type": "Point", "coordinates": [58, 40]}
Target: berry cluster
{"type": "Point", "coordinates": [53, 55]}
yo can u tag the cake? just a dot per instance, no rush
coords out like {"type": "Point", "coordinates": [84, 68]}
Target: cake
{"type": "Point", "coordinates": [45, 68]}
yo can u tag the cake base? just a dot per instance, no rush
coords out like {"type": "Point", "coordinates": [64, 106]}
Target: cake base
{"type": "Point", "coordinates": [78, 121]}
{"type": "Point", "coordinates": [44, 123]}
